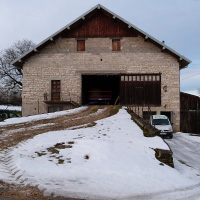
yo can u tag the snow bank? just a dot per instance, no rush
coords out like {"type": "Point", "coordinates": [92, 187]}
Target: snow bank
{"type": "Point", "coordinates": [42, 116]}
{"type": "Point", "coordinates": [188, 137]}
{"type": "Point", "coordinates": [110, 160]}
{"type": "Point", "coordinates": [5, 107]}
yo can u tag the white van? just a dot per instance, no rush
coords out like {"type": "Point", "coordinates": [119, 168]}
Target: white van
{"type": "Point", "coordinates": [162, 123]}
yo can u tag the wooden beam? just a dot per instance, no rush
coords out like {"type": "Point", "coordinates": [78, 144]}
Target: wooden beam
{"type": "Point", "coordinates": [146, 38]}
{"type": "Point", "coordinates": [21, 62]}
{"type": "Point", "coordinates": [163, 48]}
{"type": "Point", "coordinates": [36, 51]}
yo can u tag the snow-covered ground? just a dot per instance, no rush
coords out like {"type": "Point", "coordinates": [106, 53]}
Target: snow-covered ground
{"type": "Point", "coordinates": [111, 160]}
{"type": "Point", "coordinates": [5, 107]}
{"type": "Point", "coordinates": [41, 116]}
{"type": "Point", "coordinates": [9, 133]}
{"type": "Point", "coordinates": [186, 150]}
{"type": "Point", "coordinates": [186, 156]}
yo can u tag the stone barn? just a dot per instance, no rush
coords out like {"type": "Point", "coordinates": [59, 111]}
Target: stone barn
{"type": "Point", "coordinates": [102, 58]}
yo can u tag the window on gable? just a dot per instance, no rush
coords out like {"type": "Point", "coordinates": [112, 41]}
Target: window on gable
{"type": "Point", "coordinates": [116, 45]}
{"type": "Point", "coordinates": [80, 45]}
{"type": "Point", "coordinates": [55, 90]}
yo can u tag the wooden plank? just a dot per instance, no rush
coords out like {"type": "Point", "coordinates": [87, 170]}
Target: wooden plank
{"type": "Point", "coordinates": [100, 24]}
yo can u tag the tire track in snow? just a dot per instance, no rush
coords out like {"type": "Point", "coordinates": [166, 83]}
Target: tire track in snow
{"type": "Point", "coordinates": [26, 132]}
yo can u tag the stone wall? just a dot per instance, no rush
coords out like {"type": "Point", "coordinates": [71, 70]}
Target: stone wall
{"type": "Point", "coordinates": [164, 156]}
{"type": "Point", "coordinates": [61, 61]}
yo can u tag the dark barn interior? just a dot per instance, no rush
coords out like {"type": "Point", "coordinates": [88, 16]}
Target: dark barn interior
{"type": "Point", "coordinates": [100, 89]}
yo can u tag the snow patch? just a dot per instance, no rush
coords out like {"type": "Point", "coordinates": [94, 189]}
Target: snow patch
{"type": "Point", "coordinates": [5, 107]}
{"type": "Point", "coordinates": [42, 116]}
{"type": "Point", "coordinates": [109, 160]}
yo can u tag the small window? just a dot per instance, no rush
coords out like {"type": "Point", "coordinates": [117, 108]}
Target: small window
{"type": "Point", "coordinates": [54, 108]}
{"type": "Point", "coordinates": [80, 45]}
{"type": "Point", "coordinates": [116, 45]}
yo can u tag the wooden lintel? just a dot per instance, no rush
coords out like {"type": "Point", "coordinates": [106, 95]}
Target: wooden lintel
{"type": "Point", "coordinates": [99, 72]}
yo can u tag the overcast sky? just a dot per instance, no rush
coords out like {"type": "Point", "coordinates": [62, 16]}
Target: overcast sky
{"type": "Point", "coordinates": [177, 22]}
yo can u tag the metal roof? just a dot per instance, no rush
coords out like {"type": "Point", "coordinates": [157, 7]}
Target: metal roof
{"type": "Point", "coordinates": [182, 60]}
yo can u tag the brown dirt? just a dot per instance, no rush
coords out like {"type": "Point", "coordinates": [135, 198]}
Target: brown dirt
{"type": "Point", "coordinates": [18, 192]}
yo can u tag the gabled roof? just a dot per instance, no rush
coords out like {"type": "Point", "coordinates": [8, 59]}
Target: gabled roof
{"type": "Point", "coordinates": [182, 60]}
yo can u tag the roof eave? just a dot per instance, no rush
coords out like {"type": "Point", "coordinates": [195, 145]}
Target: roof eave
{"type": "Point", "coordinates": [184, 62]}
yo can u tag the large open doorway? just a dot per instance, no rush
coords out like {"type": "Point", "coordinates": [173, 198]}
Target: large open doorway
{"type": "Point", "coordinates": [100, 89]}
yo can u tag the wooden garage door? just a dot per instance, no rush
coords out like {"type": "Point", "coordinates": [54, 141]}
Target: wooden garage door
{"type": "Point", "coordinates": [140, 89]}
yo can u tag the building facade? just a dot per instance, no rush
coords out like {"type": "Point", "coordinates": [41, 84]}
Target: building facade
{"type": "Point", "coordinates": [101, 56]}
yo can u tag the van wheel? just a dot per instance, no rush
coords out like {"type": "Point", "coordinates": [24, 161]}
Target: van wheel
{"type": "Point", "coordinates": [171, 136]}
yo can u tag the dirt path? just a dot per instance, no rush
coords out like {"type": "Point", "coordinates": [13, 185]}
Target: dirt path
{"type": "Point", "coordinates": [12, 135]}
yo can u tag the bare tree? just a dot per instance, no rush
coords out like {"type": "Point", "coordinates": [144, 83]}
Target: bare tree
{"type": "Point", "coordinates": [10, 75]}
{"type": "Point", "coordinates": [3, 95]}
